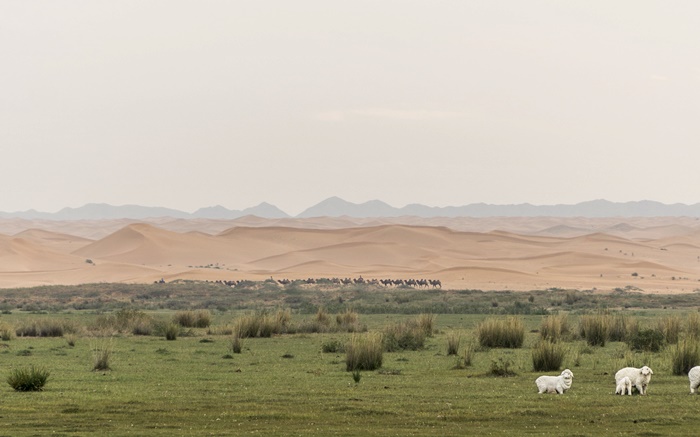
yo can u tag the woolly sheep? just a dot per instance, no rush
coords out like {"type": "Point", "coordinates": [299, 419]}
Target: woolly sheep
{"type": "Point", "coordinates": [639, 377]}
{"type": "Point", "coordinates": [555, 384]}
{"type": "Point", "coordinates": [694, 377]}
{"type": "Point", "coordinates": [624, 386]}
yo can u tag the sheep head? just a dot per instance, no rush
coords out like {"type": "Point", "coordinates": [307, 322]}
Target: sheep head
{"type": "Point", "coordinates": [646, 371]}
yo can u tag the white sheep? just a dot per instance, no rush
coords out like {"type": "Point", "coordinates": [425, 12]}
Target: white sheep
{"type": "Point", "coordinates": [624, 386]}
{"type": "Point", "coordinates": [639, 377]}
{"type": "Point", "coordinates": [694, 377]}
{"type": "Point", "coordinates": [555, 384]}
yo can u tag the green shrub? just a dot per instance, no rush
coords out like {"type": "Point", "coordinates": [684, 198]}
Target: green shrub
{"type": "Point", "coordinates": [684, 356]}
{"type": "Point", "coordinates": [426, 323]}
{"type": "Point", "coordinates": [595, 328]}
{"type": "Point", "coordinates": [453, 343]}
{"type": "Point", "coordinates": [364, 352]}
{"type": "Point", "coordinates": [547, 356]}
{"type": "Point", "coordinates": [647, 340]}
{"type": "Point", "coordinates": [33, 379]}
{"type": "Point", "coordinates": [236, 344]}
{"type": "Point", "coordinates": [505, 333]}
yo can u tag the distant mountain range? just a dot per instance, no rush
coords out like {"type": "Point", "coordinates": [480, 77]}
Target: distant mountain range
{"type": "Point", "coordinates": [337, 207]}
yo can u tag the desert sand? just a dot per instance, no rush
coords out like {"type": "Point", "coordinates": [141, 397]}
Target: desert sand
{"type": "Point", "coordinates": [651, 255]}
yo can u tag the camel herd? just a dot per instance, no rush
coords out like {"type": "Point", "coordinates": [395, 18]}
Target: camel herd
{"type": "Point", "coordinates": [418, 283]}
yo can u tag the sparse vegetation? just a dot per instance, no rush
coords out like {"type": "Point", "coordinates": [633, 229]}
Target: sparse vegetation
{"type": "Point", "coordinates": [151, 383]}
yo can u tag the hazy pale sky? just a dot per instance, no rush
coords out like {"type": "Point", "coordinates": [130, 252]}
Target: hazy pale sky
{"type": "Point", "coordinates": [187, 104]}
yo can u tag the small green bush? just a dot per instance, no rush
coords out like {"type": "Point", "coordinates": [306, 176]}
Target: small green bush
{"type": "Point", "coordinates": [647, 340]}
{"type": "Point", "coordinates": [547, 356]}
{"type": "Point", "coordinates": [504, 333]}
{"type": "Point", "coordinates": [33, 379]}
{"type": "Point", "coordinates": [553, 327]}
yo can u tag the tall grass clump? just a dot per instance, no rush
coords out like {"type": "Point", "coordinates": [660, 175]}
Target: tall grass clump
{"type": "Point", "coordinates": [426, 322]}
{"type": "Point", "coordinates": [684, 356]}
{"type": "Point", "coordinates": [236, 345]}
{"type": "Point", "coordinates": [193, 319]}
{"type": "Point", "coordinates": [452, 343]}
{"type": "Point", "coordinates": [647, 340]}
{"type": "Point", "coordinates": [508, 332]}
{"type": "Point", "coordinates": [364, 352]}
{"type": "Point", "coordinates": [622, 328]}
{"type": "Point", "coordinates": [553, 327]}
{"type": "Point", "coordinates": [125, 320]}
{"type": "Point", "coordinates": [101, 355]}
{"type": "Point", "coordinates": [7, 332]}
{"type": "Point", "coordinates": [693, 325]}
{"type": "Point", "coordinates": [407, 335]}
{"type": "Point", "coordinates": [32, 379]}
{"type": "Point", "coordinates": [171, 331]}
{"type": "Point", "coordinates": [348, 321]}
{"type": "Point", "coordinates": [262, 324]}
{"type": "Point", "coordinates": [547, 356]}
{"type": "Point", "coordinates": [595, 328]}
{"type": "Point", "coordinates": [670, 326]}
{"type": "Point", "coordinates": [46, 328]}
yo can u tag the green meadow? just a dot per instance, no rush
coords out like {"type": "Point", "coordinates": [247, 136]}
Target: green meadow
{"type": "Point", "coordinates": [296, 381]}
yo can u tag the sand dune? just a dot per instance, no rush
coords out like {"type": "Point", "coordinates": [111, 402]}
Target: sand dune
{"type": "Point", "coordinates": [661, 255]}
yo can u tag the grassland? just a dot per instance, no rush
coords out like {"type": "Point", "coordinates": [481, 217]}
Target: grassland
{"type": "Point", "coordinates": [286, 385]}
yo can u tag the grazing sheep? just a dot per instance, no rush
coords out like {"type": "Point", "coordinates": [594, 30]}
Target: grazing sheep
{"type": "Point", "coordinates": [640, 377]}
{"type": "Point", "coordinates": [555, 384]}
{"type": "Point", "coordinates": [694, 377]}
{"type": "Point", "coordinates": [624, 386]}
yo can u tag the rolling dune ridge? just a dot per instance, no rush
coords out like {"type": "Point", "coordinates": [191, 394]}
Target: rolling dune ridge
{"type": "Point", "coordinates": [652, 255]}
